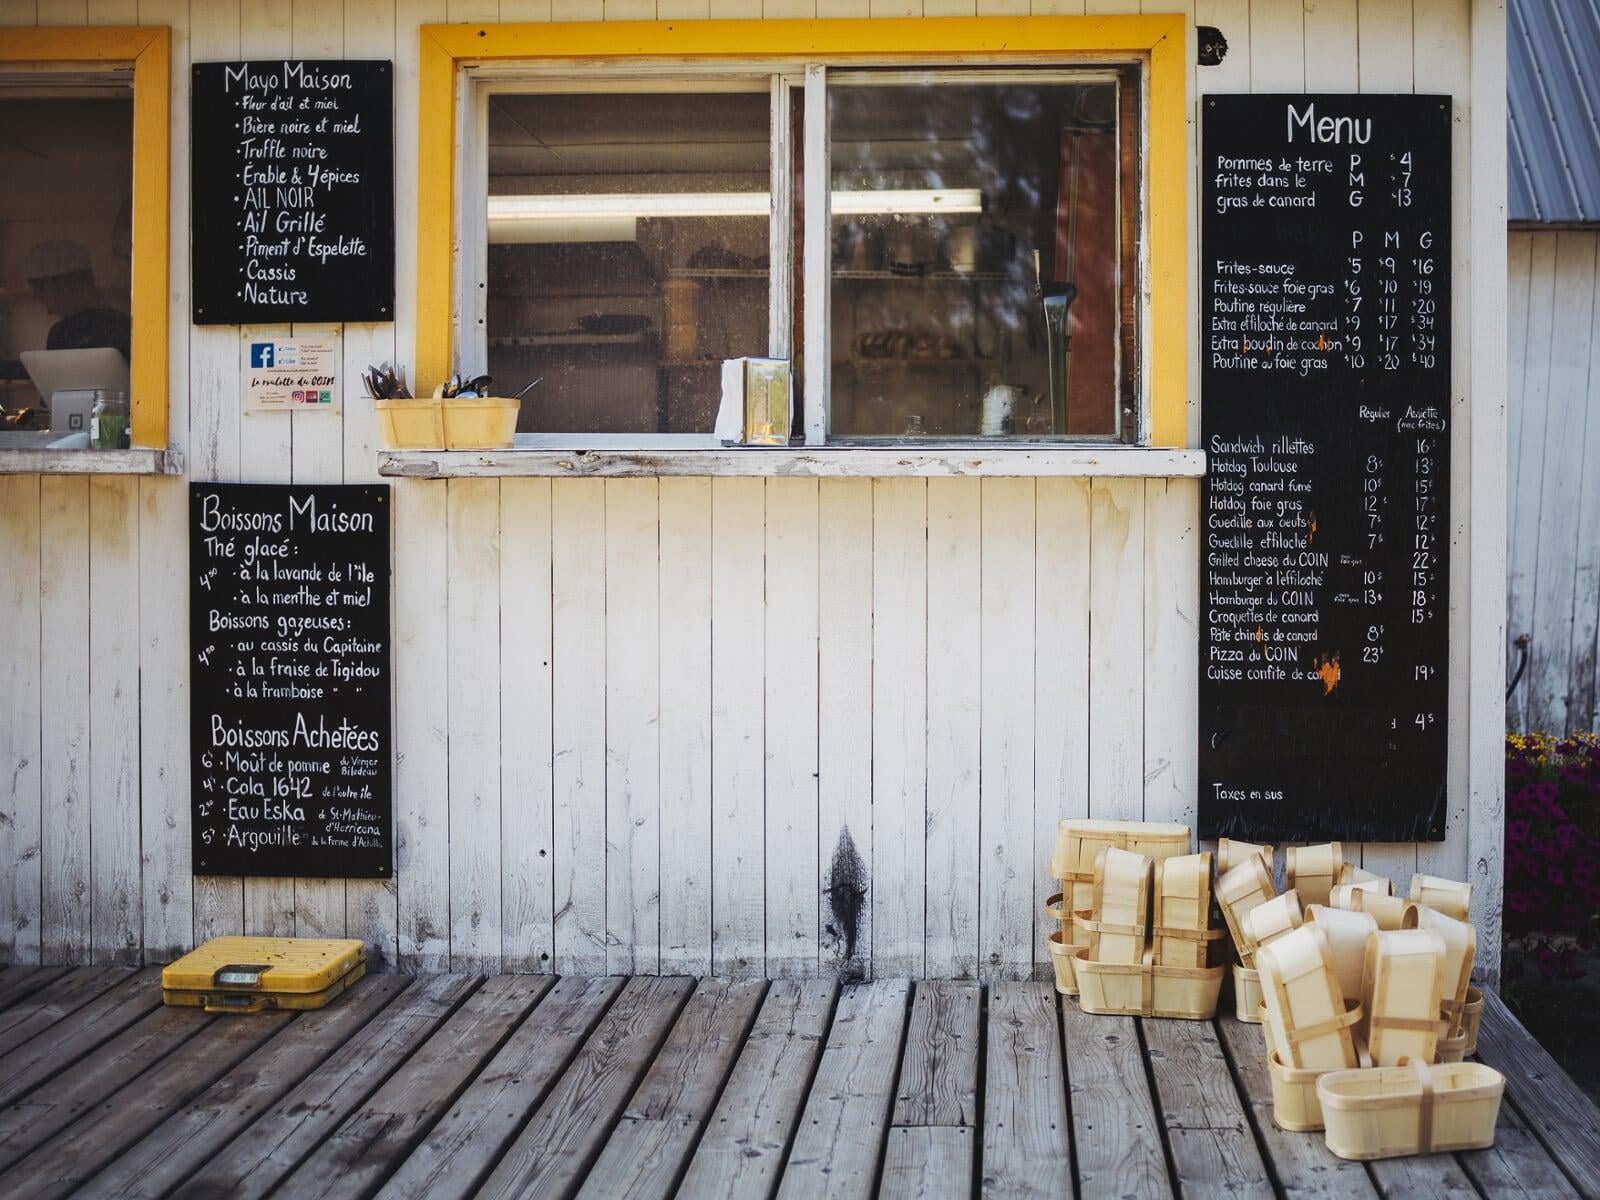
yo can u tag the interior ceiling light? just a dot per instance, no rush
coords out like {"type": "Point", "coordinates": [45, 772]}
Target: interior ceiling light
{"type": "Point", "coordinates": [725, 204]}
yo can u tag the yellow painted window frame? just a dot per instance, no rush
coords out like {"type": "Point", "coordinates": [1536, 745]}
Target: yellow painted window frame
{"type": "Point", "coordinates": [148, 50]}
{"type": "Point", "coordinates": [445, 48]}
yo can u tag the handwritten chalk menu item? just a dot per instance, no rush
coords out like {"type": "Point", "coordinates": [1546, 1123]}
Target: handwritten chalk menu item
{"type": "Point", "coordinates": [289, 680]}
{"type": "Point", "coordinates": [1325, 325]}
{"type": "Point", "coordinates": [293, 198]}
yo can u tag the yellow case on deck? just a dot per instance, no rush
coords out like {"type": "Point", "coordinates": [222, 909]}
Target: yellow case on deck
{"type": "Point", "coordinates": [247, 974]}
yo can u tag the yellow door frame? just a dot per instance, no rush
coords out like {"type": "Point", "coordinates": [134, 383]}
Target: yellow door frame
{"type": "Point", "coordinates": [446, 48]}
{"type": "Point", "coordinates": [148, 50]}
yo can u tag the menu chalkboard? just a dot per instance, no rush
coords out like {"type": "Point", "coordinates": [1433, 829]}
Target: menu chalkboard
{"type": "Point", "coordinates": [289, 680]}
{"type": "Point", "coordinates": [292, 203]}
{"type": "Point", "coordinates": [1325, 378]}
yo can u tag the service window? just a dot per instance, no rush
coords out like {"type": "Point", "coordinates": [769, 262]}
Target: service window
{"type": "Point", "coordinates": [624, 234]}
{"type": "Point", "coordinates": [66, 244]}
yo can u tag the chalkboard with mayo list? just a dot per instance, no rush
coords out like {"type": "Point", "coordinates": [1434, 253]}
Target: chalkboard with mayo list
{"type": "Point", "coordinates": [292, 204]}
{"type": "Point", "coordinates": [1325, 397]}
{"type": "Point", "coordinates": [289, 680]}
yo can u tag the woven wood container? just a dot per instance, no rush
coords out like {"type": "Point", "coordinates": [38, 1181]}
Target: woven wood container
{"type": "Point", "coordinates": [1460, 948]}
{"type": "Point", "coordinates": [1247, 1003]}
{"type": "Point", "coordinates": [1350, 873]}
{"type": "Point", "coordinates": [1274, 918]}
{"type": "Point", "coordinates": [1388, 911]}
{"type": "Point", "coordinates": [1340, 896]}
{"type": "Point", "coordinates": [1231, 853]}
{"type": "Point", "coordinates": [1347, 934]}
{"type": "Point", "coordinates": [1245, 887]}
{"type": "Point", "coordinates": [1295, 1106]}
{"type": "Point", "coordinates": [1471, 1017]}
{"type": "Point", "coordinates": [1061, 959]}
{"type": "Point", "coordinates": [1070, 939]}
{"type": "Point", "coordinates": [1310, 1021]}
{"type": "Point", "coordinates": [1079, 841]}
{"type": "Point", "coordinates": [1313, 870]}
{"type": "Point", "coordinates": [1451, 1049]}
{"type": "Point", "coordinates": [1442, 895]}
{"type": "Point", "coordinates": [1121, 906]}
{"type": "Point", "coordinates": [1385, 1112]}
{"type": "Point", "coordinates": [1145, 989]}
{"type": "Point", "coordinates": [1180, 919]}
{"type": "Point", "coordinates": [1401, 986]}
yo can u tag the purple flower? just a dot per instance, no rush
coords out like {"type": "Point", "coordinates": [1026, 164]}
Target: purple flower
{"type": "Point", "coordinates": [1516, 831]}
{"type": "Point", "coordinates": [1520, 902]}
{"type": "Point", "coordinates": [1547, 961]}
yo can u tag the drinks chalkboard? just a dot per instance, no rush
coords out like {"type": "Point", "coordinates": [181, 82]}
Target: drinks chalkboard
{"type": "Point", "coordinates": [292, 203]}
{"type": "Point", "coordinates": [1325, 377]}
{"type": "Point", "coordinates": [289, 680]}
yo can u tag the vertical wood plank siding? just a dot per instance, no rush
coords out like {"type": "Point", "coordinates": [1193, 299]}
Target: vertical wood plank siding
{"type": "Point", "coordinates": [1553, 463]}
{"type": "Point", "coordinates": [741, 726]}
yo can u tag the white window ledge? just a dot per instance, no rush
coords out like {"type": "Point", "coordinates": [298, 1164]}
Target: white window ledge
{"type": "Point", "coordinates": [1124, 461]}
{"type": "Point", "coordinates": [44, 461]}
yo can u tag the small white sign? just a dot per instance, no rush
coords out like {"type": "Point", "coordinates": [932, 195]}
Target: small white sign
{"type": "Point", "coordinates": [291, 374]}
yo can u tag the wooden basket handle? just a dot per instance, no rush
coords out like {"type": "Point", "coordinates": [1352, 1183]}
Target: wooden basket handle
{"type": "Point", "coordinates": [1425, 1108]}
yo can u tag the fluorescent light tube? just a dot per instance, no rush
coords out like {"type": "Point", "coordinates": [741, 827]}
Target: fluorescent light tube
{"type": "Point", "coordinates": [599, 207]}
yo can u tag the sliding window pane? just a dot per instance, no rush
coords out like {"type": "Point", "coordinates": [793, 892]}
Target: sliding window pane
{"type": "Point", "coordinates": [978, 255]}
{"type": "Point", "coordinates": [628, 252]}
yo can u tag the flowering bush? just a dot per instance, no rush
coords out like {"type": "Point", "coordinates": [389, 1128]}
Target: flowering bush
{"type": "Point", "coordinates": [1552, 852]}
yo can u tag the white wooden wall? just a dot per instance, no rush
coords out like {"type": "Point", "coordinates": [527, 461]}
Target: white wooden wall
{"type": "Point", "coordinates": [641, 723]}
{"type": "Point", "coordinates": [1553, 465]}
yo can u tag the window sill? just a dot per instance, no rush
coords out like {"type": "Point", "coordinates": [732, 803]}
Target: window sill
{"type": "Point", "coordinates": [1119, 461]}
{"type": "Point", "coordinates": [138, 461]}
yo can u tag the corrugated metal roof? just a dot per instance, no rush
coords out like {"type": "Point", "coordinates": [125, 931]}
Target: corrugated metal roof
{"type": "Point", "coordinates": [1553, 110]}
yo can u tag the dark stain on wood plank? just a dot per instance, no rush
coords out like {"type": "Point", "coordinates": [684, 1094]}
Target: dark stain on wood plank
{"type": "Point", "coordinates": [848, 886]}
{"type": "Point", "coordinates": [18, 983]}
{"type": "Point", "coordinates": [939, 1073]}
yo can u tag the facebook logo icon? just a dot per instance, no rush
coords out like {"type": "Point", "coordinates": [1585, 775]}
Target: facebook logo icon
{"type": "Point", "coordinates": [261, 354]}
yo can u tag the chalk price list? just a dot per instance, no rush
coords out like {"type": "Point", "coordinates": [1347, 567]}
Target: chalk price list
{"type": "Point", "coordinates": [1326, 392]}
{"type": "Point", "coordinates": [290, 664]}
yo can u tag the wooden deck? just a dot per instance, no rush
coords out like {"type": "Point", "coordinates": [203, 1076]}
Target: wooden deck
{"type": "Point", "coordinates": [450, 1086]}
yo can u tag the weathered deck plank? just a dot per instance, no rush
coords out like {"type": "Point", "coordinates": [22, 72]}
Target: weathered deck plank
{"type": "Point", "coordinates": [255, 1161]}
{"type": "Point", "coordinates": [375, 1139]}
{"type": "Point", "coordinates": [203, 1127]}
{"type": "Point", "coordinates": [467, 1142]}
{"type": "Point", "coordinates": [939, 1073]}
{"type": "Point", "coordinates": [1212, 1146]}
{"type": "Point", "coordinates": [549, 1157]}
{"type": "Point", "coordinates": [1563, 1118]}
{"type": "Point", "coordinates": [1302, 1162]}
{"type": "Point", "coordinates": [1516, 1165]}
{"type": "Point", "coordinates": [650, 1147]}
{"type": "Point", "coordinates": [928, 1162]}
{"type": "Point", "coordinates": [38, 1117]}
{"type": "Point", "coordinates": [65, 994]}
{"type": "Point", "coordinates": [1114, 1123]}
{"type": "Point", "coordinates": [18, 983]}
{"type": "Point", "coordinates": [651, 1087]}
{"type": "Point", "coordinates": [53, 1049]}
{"type": "Point", "coordinates": [69, 1159]}
{"type": "Point", "coordinates": [742, 1150]}
{"type": "Point", "coordinates": [1026, 1134]}
{"type": "Point", "coordinates": [839, 1143]}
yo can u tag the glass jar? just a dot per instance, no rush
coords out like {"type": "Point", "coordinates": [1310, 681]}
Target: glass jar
{"type": "Point", "coordinates": [108, 421]}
